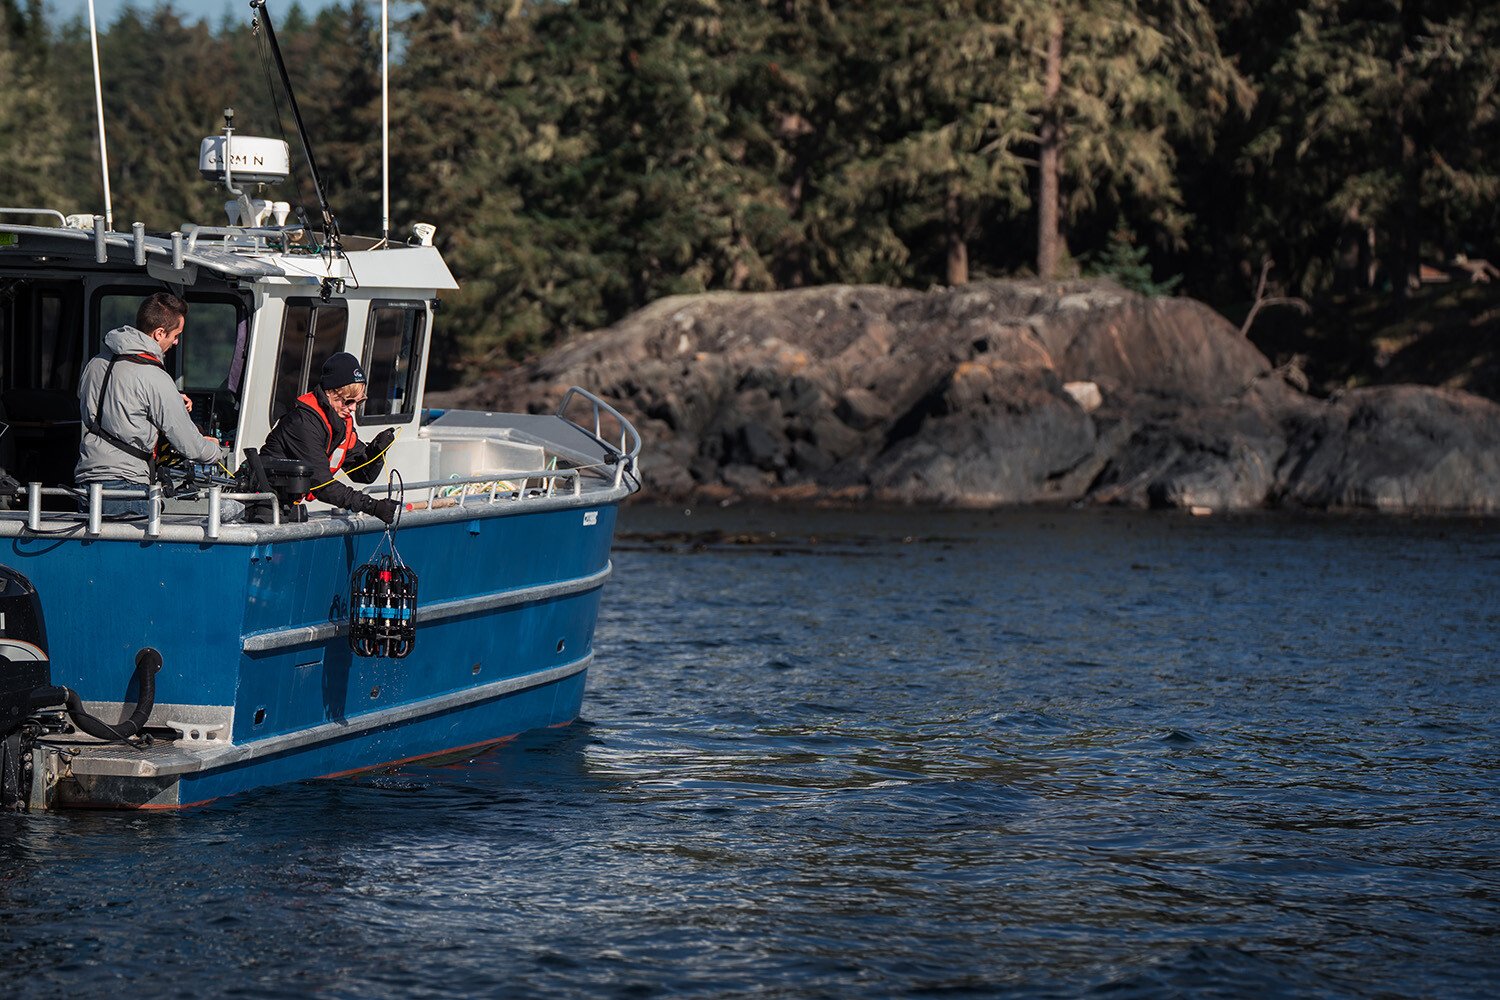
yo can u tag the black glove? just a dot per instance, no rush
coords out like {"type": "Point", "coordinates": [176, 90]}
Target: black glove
{"type": "Point", "coordinates": [386, 510]}
{"type": "Point", "coordinates": [382, 441]}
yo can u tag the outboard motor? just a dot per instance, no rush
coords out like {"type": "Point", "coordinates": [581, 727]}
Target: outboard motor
{"type": "Point", "coordinates": [24, 669]}
{"type": "Point", "coordinates": [24, 665]}
{"type": "Point", "coordinates": [30, 706]}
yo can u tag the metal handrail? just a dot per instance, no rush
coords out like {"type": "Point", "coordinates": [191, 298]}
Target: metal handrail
{"type": "Point", "coordinates": [36, 211]}
{"type": "Point", "coordinates": [519, 488]}
{"type": "Point", "coordinates": [153, 494]}
{"type": "Point", "coordinates": [258, 233]}
{"type": "Point", "coordinates": [629, 448]}
{"type": "Point", "coordinates": [175, 247]}
{"type": "Point", "coordinates": [520, 480]}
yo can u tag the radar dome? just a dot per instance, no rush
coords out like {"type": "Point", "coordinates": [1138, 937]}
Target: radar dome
{"type": "Point", "coordinates": [252, 159]}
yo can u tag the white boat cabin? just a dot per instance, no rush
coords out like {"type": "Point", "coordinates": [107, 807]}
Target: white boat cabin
{"type": "Point", "coordinates": [260, 325]}
{"type": "Point", "coordinates": [268, 303]}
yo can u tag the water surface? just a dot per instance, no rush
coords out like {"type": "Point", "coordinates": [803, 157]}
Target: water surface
{"type": "Point", "coordinates": [1039, 753]}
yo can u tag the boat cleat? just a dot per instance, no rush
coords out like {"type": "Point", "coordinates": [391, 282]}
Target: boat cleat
{"type": "Point", "coordinates": [198, 734]}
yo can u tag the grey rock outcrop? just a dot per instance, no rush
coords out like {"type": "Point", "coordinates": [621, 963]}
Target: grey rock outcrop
{"type": "Point", "coordinates": [1397, 448]}
{"type": "Point", "coordinates": [1001, 393]}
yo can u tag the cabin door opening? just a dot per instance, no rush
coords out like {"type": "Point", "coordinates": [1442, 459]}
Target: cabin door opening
{"type": "Point", "coordinates": [42, 353]}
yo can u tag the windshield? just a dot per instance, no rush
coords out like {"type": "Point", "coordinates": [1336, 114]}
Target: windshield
{"type": "Point", "coordinates": [204, 357]}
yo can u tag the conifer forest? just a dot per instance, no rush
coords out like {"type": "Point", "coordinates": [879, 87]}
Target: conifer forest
{"type": "Point", "coordinates": [581, 158]}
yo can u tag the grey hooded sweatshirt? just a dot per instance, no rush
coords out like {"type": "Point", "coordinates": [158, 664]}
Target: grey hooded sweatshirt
{"type": "Point", "coordinates": [143, 400]}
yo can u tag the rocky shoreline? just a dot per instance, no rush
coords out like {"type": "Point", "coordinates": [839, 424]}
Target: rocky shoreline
{"type": "Point", "coordinates": [998, 393]}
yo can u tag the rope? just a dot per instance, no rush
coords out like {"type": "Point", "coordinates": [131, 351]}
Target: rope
{"type": "Point", "coordinates": [371, 461]}
{"type": "Point", "coordinates": [396, 482]}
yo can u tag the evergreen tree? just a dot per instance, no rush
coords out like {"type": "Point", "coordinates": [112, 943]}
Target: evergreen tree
{"type": "Point", "coordinates": [926, 141]}
{"type": "Point", "coordinates": [467, 106]}
{"type": "Point", "coordinates": [1379, 130]}
{"type": "Point", "coordinates": [1125, 261]}
{"type": "Point", "coordinates": [1109, 85]}
{"type": "Point", "coordinates": [582, 157]}
{"type": "Point", "coordinates": [804, 107]}
{"type": "Point", "coordinates": [156, 113]}
{"type": "Point", "coordinates": [601, 165]}
{"type": "Point", "coordinates": [31, 136]}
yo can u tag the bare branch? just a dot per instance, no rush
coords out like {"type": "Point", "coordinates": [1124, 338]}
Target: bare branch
{"type": "Point", "coordinates": [1261, 301]}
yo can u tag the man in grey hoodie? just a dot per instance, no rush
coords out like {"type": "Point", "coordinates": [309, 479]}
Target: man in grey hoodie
{"type": "Point", "coordinates": [128, 400]}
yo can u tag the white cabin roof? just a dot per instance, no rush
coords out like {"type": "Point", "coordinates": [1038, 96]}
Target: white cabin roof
{"type": "Point", "coordinates": [390, 267]}
{"type": "Point", "coordinates": [233, 252]}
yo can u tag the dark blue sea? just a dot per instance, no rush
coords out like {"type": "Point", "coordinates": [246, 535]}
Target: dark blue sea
{"type": "Point", "coordinates": [878, 754]}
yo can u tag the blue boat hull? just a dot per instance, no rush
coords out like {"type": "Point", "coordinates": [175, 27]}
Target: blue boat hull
{"type": "Point", "coordinates": [254, 650]}
{"type": "Point", "coordinates": [472, 728]}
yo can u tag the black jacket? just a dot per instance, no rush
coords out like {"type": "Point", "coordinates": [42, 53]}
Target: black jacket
{"type": "Point", "coordinates": [300, 434]}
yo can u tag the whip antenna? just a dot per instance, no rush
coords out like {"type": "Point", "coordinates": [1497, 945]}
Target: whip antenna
{"type": "Point", "coordinates": [385, 120]}
{"type": "Point", "coordinates": [109, 209]}
{"type": "Point", "coordinates": [330, 224]}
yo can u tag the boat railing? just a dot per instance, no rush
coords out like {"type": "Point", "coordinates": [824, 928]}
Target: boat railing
{"type": "Point", "coordinates": [182, 246]}
{"type": "Point", "coordinates": [76, 227]}
{"type": "Point", "coordinates": [626, 454]}
{"type": "Point", "coordinates": [485, 489]}
{"type": "Point", "coordinates": [155, 498]}
{"type": "Point", "coordinates": [497, 487]}
{"type": "Point", "coordinates": [62, 220]}
{"type": "Point", "coordinates": [250, 237]}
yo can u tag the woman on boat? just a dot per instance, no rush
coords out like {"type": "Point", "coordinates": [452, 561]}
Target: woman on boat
{"type": "Point", "coordinates": [319, 430]}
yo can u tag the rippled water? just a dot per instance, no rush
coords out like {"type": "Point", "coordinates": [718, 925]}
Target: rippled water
{"type": "Point", "coordinates": [876, 754]}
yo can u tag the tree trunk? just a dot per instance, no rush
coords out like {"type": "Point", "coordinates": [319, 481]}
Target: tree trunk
{"type": "Point", "coordinates": [1048, 236]}
{"type": "Point", "coordinates": [958, 248]}
{"type": "Point", "coordinates": [1406, 275]}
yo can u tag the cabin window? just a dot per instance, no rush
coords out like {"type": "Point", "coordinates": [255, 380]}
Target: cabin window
{"type": "Point", "coordinates": [204, 359]}
{"type": "Point", "coordinates": [393, 357]}
{"type": "Point", "coordinates": [207, 348]}
{"type": "Point", "coordinates": [59, 348]}
{"type": "Point", "coordinates": [311, 333]}
{"type": "Point", "coordinates": [208, 362]}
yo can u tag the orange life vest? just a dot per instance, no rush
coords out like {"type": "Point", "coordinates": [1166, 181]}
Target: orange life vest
{"type": "Point", "coordinates": [337, 452]}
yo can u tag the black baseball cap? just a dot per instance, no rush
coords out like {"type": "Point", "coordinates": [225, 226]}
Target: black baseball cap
{"type": "Point", "coordinates": [340, 370]}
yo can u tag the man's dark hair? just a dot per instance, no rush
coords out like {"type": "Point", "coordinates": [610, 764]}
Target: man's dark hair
{"type": "Point", "coordinates": [161, 309]}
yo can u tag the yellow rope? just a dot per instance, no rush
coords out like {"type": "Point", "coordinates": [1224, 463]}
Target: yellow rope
{"type": "Point", "coordinates": [361, 465]}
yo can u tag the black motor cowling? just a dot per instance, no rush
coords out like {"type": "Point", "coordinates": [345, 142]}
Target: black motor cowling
{"type": "Point", "coordinates": [24, 670]}
{"type": "Point", "coordinates": [24, 664]}
{"type": "Point", "coordinates": [30, 706]}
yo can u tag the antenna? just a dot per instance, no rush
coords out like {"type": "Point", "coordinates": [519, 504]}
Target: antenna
{"type": "Point", "coordinates": [385, 120]}
{"type": "Point", "coordinates": [109, 209]}
{"type": "Point", "coordinates": [330, 225]}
